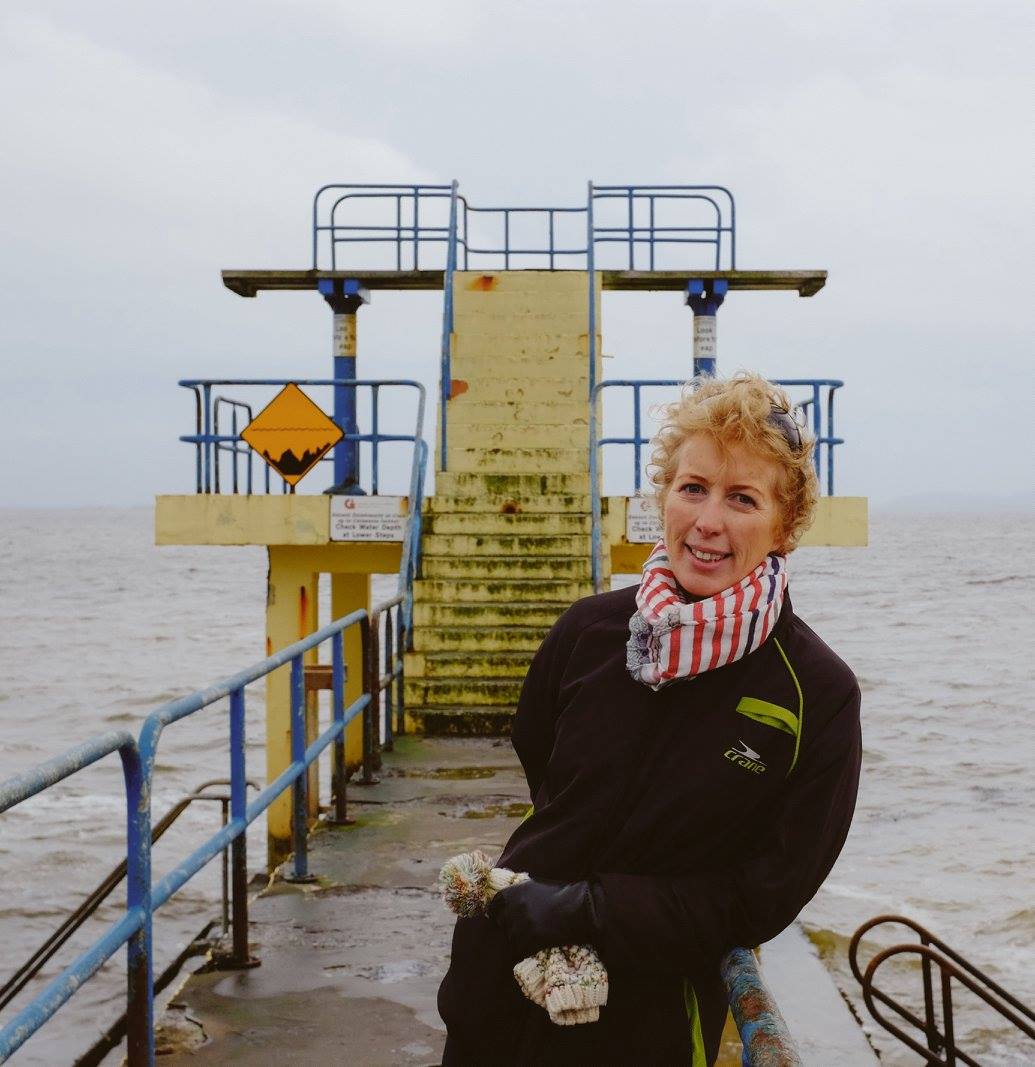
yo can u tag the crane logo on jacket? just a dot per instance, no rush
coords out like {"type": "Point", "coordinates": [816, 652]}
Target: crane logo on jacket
{"type": "Point", "coordinates": [745, 757]}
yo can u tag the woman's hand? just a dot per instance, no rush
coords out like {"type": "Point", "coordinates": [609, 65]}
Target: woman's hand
{"type": "Point", "coordinates": [536, 915]}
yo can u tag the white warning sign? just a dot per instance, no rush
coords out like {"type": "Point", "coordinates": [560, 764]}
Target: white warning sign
{"type": "Point", "coordinates": [368, 518]}
{"type": "Point", "coordinates": [704, 337]}
{"type": "Point", "coordinates": [642, 525]}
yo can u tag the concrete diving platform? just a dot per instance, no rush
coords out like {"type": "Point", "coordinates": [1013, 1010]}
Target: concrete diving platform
{"type": "Point", "coordinates": [252, 282]}
{"type": "Point", "coordinates": [350, 964]}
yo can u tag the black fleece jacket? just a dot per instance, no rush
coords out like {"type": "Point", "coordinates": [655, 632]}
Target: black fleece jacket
{"type": "Point", "coordinates": [708, 813]}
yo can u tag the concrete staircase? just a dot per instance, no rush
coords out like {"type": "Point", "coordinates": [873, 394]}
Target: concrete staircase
{"type": "Point", "coordinates": [506, 538]}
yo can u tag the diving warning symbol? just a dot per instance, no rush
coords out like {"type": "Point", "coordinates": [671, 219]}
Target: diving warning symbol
{"type": "Point", "coordinates": [291, 434]}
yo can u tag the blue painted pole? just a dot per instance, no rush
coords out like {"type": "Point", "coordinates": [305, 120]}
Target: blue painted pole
{"type": "Point", "coordinates": [239, 956]}
{"type": "Point", "coordinates": [345, 298]}
{"type": "Point", "coordinates": [817, 424]}
{"type": "Point", "coordinates": [446, 368]}
{"type": "Point", "coordinates": [140, 1035]}
{"type": "Point", "coordinates": [704, 298]}
{"type": "Point", "coordinates": [300, 788]}
{"type": "Point", "coordinates": [596, 525]}
{"type": "Point", "coordinates": [338, 772]}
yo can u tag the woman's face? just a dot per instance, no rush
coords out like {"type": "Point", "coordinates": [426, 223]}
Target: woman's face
{"type": "Point", "coordinates": [721, 515]}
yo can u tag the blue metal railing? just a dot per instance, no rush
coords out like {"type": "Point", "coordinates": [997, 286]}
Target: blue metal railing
{"type": "Point", "coordinates": [138, 760]}
{"type": "Point", "coordinates": [764, 1036]}
{"type": "Point", "coordinates": [446, 361]}
{"type": "Point", "coordinates": [133, 928]}
{"type": "Point", "coordinates": [407, 232]}
{"type": "Point", "coordinates": [210, 444]}
{"type": "Point", "coordinates": [652, 234]}
{"type": "Point", "coordinates": [652, 217]}
{"type": "Point", "coordinates": [413, 213]}
{"type": "Point", "coordinates": [819, 414]}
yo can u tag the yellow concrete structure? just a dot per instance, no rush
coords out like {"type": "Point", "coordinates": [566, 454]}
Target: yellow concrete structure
{"type": "Point", "coordinates": [295, 530]}
{"type": "Point", "coordinates": [506, 539]}
{"type": "Point", "coordinates": [841, 521]}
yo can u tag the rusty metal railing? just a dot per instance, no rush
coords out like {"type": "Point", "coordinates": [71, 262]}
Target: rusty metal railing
{"type": "Point", "coordinates": [763, 1033]}
{"type": "Point", "coordinates": [941, 1044]}
{"type": "Point", "coordinates": [144, 895]}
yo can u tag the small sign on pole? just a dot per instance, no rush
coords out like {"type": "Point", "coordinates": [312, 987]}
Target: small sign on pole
{"type": "Point", "coordinates": [292, 434]}
{"type": "Point", "coordinates": [642, 525]}
{"type": "Point", "coordinates": [368, 518]}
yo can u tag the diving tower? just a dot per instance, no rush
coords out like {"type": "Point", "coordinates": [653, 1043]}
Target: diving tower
{"type": "Point", "coordinates": [518, 526]}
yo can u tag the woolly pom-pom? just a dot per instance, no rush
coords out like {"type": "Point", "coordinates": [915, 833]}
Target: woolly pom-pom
{"type": "Point", "coordinates": [500, 878]}
{"type": "Point", "coordinates": [464, 881]}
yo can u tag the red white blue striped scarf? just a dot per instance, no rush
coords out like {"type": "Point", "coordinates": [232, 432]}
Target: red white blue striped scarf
{"type": "Point", "coordinates": [671, 638]}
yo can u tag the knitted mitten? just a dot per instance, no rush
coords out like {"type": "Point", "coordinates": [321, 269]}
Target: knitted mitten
{"type": "Point", "coordinates": [576, 985]}
{"type": "Point", "coordinates": [569, 981]}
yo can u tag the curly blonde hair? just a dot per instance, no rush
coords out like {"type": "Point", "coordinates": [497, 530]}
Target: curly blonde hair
{"type": "Point", "coordinates": [737, 412]}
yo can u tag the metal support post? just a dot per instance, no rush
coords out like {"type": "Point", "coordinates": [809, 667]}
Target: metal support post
{"type": "Point", "coordinates": [371, 729]}
{"type": "Point", "coordinates": [339, 774]}
{"type": "Point", "coordinates": [705, 297]}
{"type": "Point", "coordinates": [140, 1036]}
{"type": "Point", "coordinates": [345, 297]}
{"type": "Point", "coordinates": [389, 660]}
{"type": "Point", "coordinates": [239, 956]}
{"type": "Point", "coordinates": [300, 788]}
{"type": "Point", "coordinates": [402, 644]}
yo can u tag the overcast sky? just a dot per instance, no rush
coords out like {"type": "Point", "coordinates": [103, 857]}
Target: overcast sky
{"type": "Point", "coordinates": [147, 146]}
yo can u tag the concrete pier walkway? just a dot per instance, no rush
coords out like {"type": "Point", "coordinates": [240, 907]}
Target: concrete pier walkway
{"type": "Point", "coordinates": [351, 964]}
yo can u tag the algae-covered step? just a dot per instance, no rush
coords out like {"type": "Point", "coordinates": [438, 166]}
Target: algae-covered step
{"type": "Point", "coordinates": [469, 638]}
{"type": "Point", "coordinates": [499, 590]}
{"type": "Point", "coordinates": [510, 567]}
{"type": "Point", "coordinates": [467, 664]}
{"type": "Point", "coordinates": [461, 692]}
{"type": "Point", "coordinates": [522, 523]}
{"type": "Point", "coordinates": [503, 504]}
{"type": "Point", "coordinates": [487, 615]}
{"type": "Point", "coordinates": [515, 460]}
{"type": "Point", "coordinates": [505, 545]}
{"type": "Point", "coordinates": [485, 721]}
{"type": "Point", "coordinates": [515, 484]}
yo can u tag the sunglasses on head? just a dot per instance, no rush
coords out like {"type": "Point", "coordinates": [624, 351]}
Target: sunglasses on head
{"type": "Point", "coordinates": [784, 421]}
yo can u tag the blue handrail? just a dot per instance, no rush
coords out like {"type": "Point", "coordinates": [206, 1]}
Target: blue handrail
{"type": "Point", "coordinates": [138, 759]}
{"type": "Point", "coordinates": [408, 233]}
{"type": "Point", "coordinates": [134, 926]}
{"type": "Point", "coordinates": [446, 370]}
{"type": "Point", "coordinates": [209, 442]}
{"type": "Point", "coordinates": [822, 428]}
{"type": "Point", "coordinates": [652, 234]}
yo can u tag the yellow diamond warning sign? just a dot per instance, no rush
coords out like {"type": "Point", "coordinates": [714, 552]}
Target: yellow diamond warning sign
{"type": "Point", "coordinates": [291, 434]}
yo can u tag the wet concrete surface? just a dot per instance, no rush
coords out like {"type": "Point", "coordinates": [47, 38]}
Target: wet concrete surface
{"type": "Point", "coordinates": [350, 964]}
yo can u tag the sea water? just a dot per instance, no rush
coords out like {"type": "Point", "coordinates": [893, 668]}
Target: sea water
{"type": "Point", "coordinates": [99, 627]}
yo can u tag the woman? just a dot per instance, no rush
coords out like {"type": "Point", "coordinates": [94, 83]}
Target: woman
{"type": "Point", "coordinates": [692, 752]}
